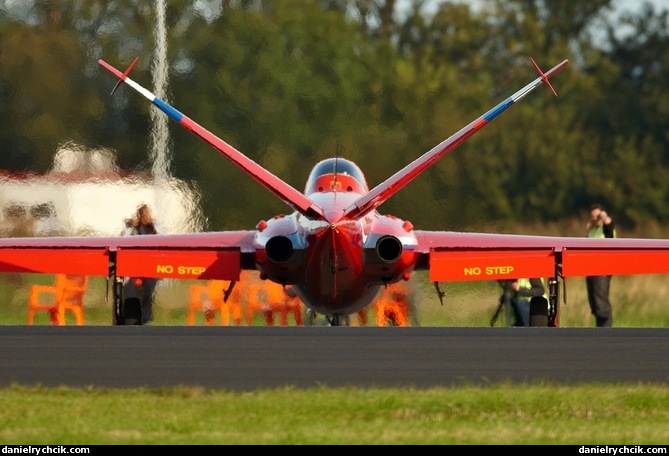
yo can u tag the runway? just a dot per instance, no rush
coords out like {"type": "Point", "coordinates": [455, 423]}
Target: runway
{"type": "Point", "coordinates": [248, 358]}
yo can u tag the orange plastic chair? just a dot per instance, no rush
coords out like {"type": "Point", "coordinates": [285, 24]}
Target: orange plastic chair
{"type": "Point", "coordinates": [209, 299]}
{"type": "Point", "coordinates": [66, 294]}
{"type": "Point", "coordinates": [282, 301]}
{"type": "Point", "coordinates": [291, 304]}
{"type": "Point", "coordinates": [363, 318]}
{"type": "Point", "coordinates": [261, 296]}
{"type": "Point", "coordinates": [392, 307]}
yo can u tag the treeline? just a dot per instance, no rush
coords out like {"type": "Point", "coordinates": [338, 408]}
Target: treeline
{"type": "Point", "coordinates": [380, 82]}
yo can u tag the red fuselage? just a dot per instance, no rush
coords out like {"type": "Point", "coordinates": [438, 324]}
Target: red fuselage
{"type": "Point", "coordinates": [336, 265]}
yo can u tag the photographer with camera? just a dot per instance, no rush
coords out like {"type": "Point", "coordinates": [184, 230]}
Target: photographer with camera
{"type": "Point", "coordinates": [600, 225]}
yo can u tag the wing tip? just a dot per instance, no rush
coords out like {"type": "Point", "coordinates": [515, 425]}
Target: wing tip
{"type": "Point", "coordinates": [121, 77]}
{"type": "Point", "coordinates": [543, 77]}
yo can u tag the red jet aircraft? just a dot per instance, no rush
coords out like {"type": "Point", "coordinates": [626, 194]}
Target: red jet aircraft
{"type": "Point", "coordinates": [335, 250]}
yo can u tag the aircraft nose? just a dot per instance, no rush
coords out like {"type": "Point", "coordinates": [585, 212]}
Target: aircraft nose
{"type": "Point", "coordinates": [333, 217]}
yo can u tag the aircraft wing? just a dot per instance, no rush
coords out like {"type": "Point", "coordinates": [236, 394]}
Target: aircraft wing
{"type": "Point", "coordinates": [284, 191]}
{"type": "Point", "coordinates": [460, 256]}
{"type": "Point", "coordinates": [212, 255]}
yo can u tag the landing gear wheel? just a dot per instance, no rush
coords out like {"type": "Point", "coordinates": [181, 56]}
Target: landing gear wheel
{"type": "Point", "coordinates": [309, 318]}
{"type": "Point", "coordinates": [131, 312]}
{"type": "Point", "coordinates": [339, 320]}
{"type": "Point", "coordinates": [539, 311]}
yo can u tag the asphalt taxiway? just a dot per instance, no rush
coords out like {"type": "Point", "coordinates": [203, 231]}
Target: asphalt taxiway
{"type": "Point", "coordinates": [247, 358]}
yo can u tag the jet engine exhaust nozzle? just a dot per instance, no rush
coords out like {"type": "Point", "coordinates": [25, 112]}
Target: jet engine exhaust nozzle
{"type": "Point", "coordinates": [389, 248]}
{"type": "Point", "coordinates": [279, 249]}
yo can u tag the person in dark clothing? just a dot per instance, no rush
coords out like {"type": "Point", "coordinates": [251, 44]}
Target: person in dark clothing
{"type": "Point", "coordinates": [516, 295]}
{"type": "Point", "coordinates": [600, 225]}
{"type": "Point", "coordinates": [141, 287]}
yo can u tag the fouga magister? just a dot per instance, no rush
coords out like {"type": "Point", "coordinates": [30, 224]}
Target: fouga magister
{"type": "Point", "coordinates": [335, 249]}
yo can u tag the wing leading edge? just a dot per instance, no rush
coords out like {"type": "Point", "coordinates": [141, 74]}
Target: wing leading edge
{"type": "Point", "coordinates": [217, 255]}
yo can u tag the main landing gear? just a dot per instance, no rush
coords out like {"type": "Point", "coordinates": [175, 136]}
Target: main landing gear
{"type": "Point", "coordinates": [312, 319]}
{"type": "Point", "coordinates": [339, 320]}
{"type": "Point", "coordinates": [127, 312]}
{"type": "Point", "coordinates": [544, 312]}
{"type": "Point", "coordinates": [130, 312]}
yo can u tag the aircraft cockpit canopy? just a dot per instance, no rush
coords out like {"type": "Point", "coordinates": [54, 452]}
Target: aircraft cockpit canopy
{"type": "Point", "coordinates": [336, 175]}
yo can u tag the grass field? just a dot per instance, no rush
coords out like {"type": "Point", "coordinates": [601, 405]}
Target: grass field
{"type": "Point", "coordinates": [498, 414]}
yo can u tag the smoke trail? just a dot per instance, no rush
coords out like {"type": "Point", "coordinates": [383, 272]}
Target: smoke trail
{"type": "Point", "coordinates": [166, 187]}
{"type": "Point", "coordinates": [160, 139]}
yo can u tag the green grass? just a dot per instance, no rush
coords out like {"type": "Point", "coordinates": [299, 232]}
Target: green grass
{"type": "Point", "coordinates": [626, 414]}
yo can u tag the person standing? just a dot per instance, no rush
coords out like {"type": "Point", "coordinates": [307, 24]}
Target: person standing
{"type": "Point", "coordinates": [600, 225]}
{"type": "Point", "coordinates": [133, 287]}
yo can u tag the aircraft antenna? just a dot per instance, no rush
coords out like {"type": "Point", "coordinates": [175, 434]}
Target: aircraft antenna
{"type": "Point", "coordinates": [333, 187]}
